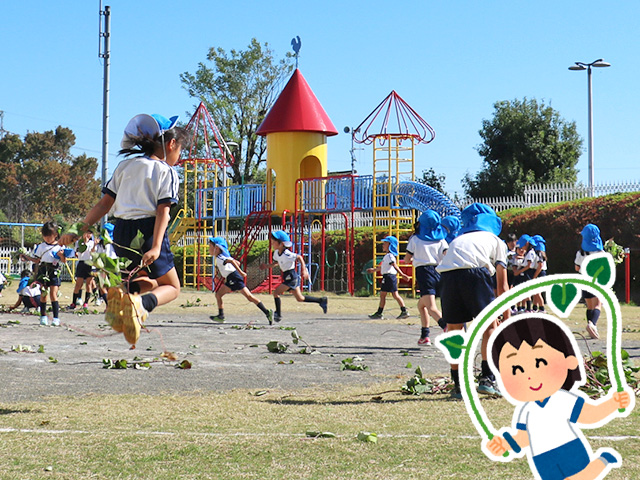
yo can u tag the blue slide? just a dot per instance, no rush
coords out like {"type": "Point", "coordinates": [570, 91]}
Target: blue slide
{"type": "Point", "coordinates": [422, 197]}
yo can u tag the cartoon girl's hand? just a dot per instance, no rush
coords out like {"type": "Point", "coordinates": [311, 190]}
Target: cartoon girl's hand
{"type": "Point", "coordinates": [622, 399]}
{"type": "Point", "coordinates": [497, 446]}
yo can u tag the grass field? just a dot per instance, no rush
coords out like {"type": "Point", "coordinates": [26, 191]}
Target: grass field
{"type": "Point", "coordinates": [241, 435]}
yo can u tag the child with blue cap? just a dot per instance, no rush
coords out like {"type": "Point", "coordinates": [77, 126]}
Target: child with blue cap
{"type": "Point", "coordinates": [540, 248]}
{"type": "Point", "coordinates": [426, 249]}
{"type": "Point", "coordinates": [472, 259]}
{"type": "Point", "coordinates": [286, 260]}
{"type": "Point", "coordinates": [524, 267]}
{"type": "Point", "coordinates": [451, 224]}
{"type": "Point", "coordinates": [229, 269]}
{"type": "Point", "coordinates": [387, 267]}
{"type": "Point", "coordinates": [591, 243]}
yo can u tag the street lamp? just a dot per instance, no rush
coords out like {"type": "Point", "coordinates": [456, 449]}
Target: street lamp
{"type": "Point", "coordinates": [587, 66]}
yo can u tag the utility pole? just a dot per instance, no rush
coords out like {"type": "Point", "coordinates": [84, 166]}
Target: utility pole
{"type": "Point", "coordinates": [104, 52]}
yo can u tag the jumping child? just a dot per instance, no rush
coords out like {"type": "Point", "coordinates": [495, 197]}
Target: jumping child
{"type": "Point", "coordinates": [425, 249]}
{"type": "Point", "coordinates": [229, 269]}
{"type": "Point", "coordinates": [286, 260]}
{"type": "Point", "coordinates": [47, 256]}
{"type": "Point", "coordinates": [540, 368]}
{"type": "Point", "coordinates": [139, 195]}
{"type": "Point", "coordinates": [387, 267]}
{"type": "Point", "coordinates": [591, 243]}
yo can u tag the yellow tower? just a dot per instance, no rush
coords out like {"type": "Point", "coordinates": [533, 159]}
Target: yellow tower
{"type": "Point", "coordinates": [296, 128]}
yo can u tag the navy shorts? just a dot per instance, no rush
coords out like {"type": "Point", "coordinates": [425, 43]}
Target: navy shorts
{"type": "Point", "coordinates": [587, 295]}
{"type": "Point", "coordinates": [563, 461]}
{"type": "Point", "coordinates": [291, 279]}
{"type": "Point", "coordinates": [235, 281]}
{"type": "Point", "coordinates": [464, 293]}
{"type": "Point", "coordinates": [126, 230]}
{"type": "Point", "coordinates": [31, 302]}
{"type": "Point", "coordinates": [51, 272]}
{"type": "Point", "coordinates": [83, 270]}
{"type": "Point", "coordinates": [428, 280]}
{"type": "Point", "coordinates": [389, 283]}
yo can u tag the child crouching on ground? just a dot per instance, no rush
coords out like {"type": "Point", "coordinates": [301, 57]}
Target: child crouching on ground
{"type": "Point", "coordinates": [230, 270]}
{"type": "Point", "coordinates": [387, 267]}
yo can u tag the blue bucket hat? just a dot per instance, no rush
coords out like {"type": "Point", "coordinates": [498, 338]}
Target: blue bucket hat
{"type": "Point", "coordinates": [393, 244]}
{"type": "Point", "coordinates": [451, 224]}
{"type": "Point", "coordinates": [109, 227]}
{"type": "Point", "coordinates": [591, 241]}
{"type": "Point", "coordinates": [222, 244]}
{"type": "Point", "coordinates": [540, 243]}
{"type": "Point", "coordinates": [480, 217]}
{"type": "Point", "coordinates": [523, 240]}
{"type": "Point", "coordinates": [283, 237]}
{"type": "Point", "coordinates": [144, 125]}
{"type": "Point", "coordinates": [430, 228]}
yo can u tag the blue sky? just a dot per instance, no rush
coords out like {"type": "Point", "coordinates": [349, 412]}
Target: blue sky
{"type": "Point", "coordinates": [451, 61]}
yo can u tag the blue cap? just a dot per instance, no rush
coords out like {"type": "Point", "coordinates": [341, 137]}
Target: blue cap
{"type": "Point", "coordinates": [165, 123]}
{"type": "Point", "coordinates": [451, 224]}
{"type": "Point", "coordinates": [430, 228]}
{"type": "Point", "coordinates": [282, 237]}
{"type": "Point", "coordinates": [222, 244]}
{"type": "Point", "coordinates": [540, 243]}
{"type": "Point", "coordinates": [591, 241]}
{"type": "Point", "coordinates": [393, 244]}
{"type": "Point", "coordinates": [480, 217]}
{"type": "Point", "coordinates": [109, 227]}
{"type": "Point", "coordinates": [144, 125]}
{"type": "Point", "coordinates": [523, 240]}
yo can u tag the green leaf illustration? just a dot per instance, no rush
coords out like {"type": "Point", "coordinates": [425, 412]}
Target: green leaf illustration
{"type": "Point", "coordinates": [563, 295]}
{"type": "Point", "coordinates": [600, 270]}
{"type": "Point", "coordinates": [455, 345]}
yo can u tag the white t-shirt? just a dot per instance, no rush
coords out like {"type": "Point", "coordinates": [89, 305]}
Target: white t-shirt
{"type": "Point", "coordinates": [580, 256]}
{"type": "Point", "coordinates": [425, 252]}
{"type": "Point", "coordinates": [224, 268]}
{"type": "Point", "coordinates": [388, 264]}
{"type": "Point", "coordinates": [531, 257]}
{"type": "Point", "coordinates": [549, 424]}
{"type": "Point", "coordinates": [286, 261]}
{"type": "Point", "coordinates": [475, 250]}
{"type": "Point", "coordinates": [46, 252]}
{"type": "Point", "coordinates": [3, 279]}
{"type": "Point", "coordinates": [139, 185]}
{"type": "Point", "coordinates": [108, 249]}
{"type": "Point", "coordinates": [30, 291]}
{"type": "Point", "coordinates": [86, 255]}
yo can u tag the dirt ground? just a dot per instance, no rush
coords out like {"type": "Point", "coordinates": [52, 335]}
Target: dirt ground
{"type": "Point", "coordinates": [222, 356]}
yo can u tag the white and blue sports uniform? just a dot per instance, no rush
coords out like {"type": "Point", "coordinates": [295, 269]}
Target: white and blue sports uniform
{"type": "Point", "coordinates": [287, 263]}
{"type": "Point", "coordinates": [232, 277]}
{"type": "Point", "coordinates": [139, 185]}
{"type": "Point", "coordinates": [426, 256]}
{"type": "Point", "coordinates": [82, 269]}
{"type": "Point", "coordinates": [580, 256]}
{"type": "Point", "coordinates": [49, 267]}
{"type": "Point", "coordinates": [389, 273]}
{"type": "Point", "coordinates": [557, 449]}
{"type": "Point", "coordinates": [466, 270]}
{"type": "Point", "coordinates": [30, 293]}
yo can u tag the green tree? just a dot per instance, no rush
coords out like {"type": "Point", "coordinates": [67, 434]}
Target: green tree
{"type": "Point", "coordinates": [525, 143]}
{"type": "Point", "coordinates": [239, 88]}
{"type": "Point", "coordinates": [433, 179]}
{"type": "Point", "coordinates": [39, 178]}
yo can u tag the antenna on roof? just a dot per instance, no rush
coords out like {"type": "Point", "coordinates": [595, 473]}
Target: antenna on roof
{"type": "Point", "coordinates": [296, 43]}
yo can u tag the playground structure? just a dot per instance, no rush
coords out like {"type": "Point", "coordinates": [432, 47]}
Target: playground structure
{"type": "Point", "coordinates": [299, 195]}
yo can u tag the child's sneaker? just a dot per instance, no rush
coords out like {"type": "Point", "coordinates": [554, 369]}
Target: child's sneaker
{"type": "Point", "coordinates": [270, 317]}
{"type": "Point", "coordinates": [55, 322]}
{"type": "Point", "coordinates": [85, 305]}
{"type": "Point", "coordinates": [592, 330]}
{"type": "Point", "coordinates": [456, 394]}
{"type": "Point", "coordinates": [403, 314]}
{"type": "Point", "coordinates": [71, 307]}
{"type": "Point", "coordinates": [277, 317]}
{"type": "Point", "coordinates": [323, 304]}
{"type": "Point", "coordinates": [424, 341]}
{"type": "Point", "coordinates": [488, 387]}
{"type": "Point", "coordinates": [44, 320]}
{"type": "Point", "coordinates": [113, 314]}
{"type": "Point", "coordinates": [377, 315]}
{"type": "Point", "coordinates": [217, 318]}
{"type": "Point", "coordinates": [98, 301]}
{"type": "Point", "coordinates": [133, 316]}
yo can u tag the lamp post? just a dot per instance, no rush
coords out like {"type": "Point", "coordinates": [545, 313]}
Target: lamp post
{"type": "Point", "coordinates": [587, 66]}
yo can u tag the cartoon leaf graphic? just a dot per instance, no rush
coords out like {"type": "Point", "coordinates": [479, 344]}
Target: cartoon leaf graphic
{"type": "Point", "coordinates": [600, 270]}
{"type": "Point", "coordinates": [562, 296]}
{"type": "Point", "coordinates": [455, 345]}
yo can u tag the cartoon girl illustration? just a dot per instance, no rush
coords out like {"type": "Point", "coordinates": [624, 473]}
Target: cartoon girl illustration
{"type": "Point", "coordinates": [539, 369]}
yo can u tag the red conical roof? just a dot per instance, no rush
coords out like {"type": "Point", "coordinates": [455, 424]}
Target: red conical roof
{"type": "Point", "coordinates": [297, 110]}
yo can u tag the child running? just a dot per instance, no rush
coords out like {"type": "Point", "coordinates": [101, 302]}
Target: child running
{"type": "Point", "coordinates": [591, 243]}
{"type": "Point", "coordinates": [387, 267]}
{"type": "Point", "coordinates": [229, 269]}
{"type": "Point", "coordinates": [83, 273]}
{"type": "Point", "coordinates": [139, 195]}
{"type": "Point", "coordinates": [286, 260]}
{"type": "Point", "coordinates": [47, 256]}
{"type": "Point", "coordinates": [472, 259]}
{"type": "Point", "coordinates": [426, 249]}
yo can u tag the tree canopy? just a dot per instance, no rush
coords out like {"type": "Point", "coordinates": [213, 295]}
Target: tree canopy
{"type": "Point", "coordinates": [433, 179]}
{"type": "Point", "coordinates": [525, 143]}
{"type": "Point", "coordinates": [40, 179]}
{"type": "Point", "coordinates": [239, 88]}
